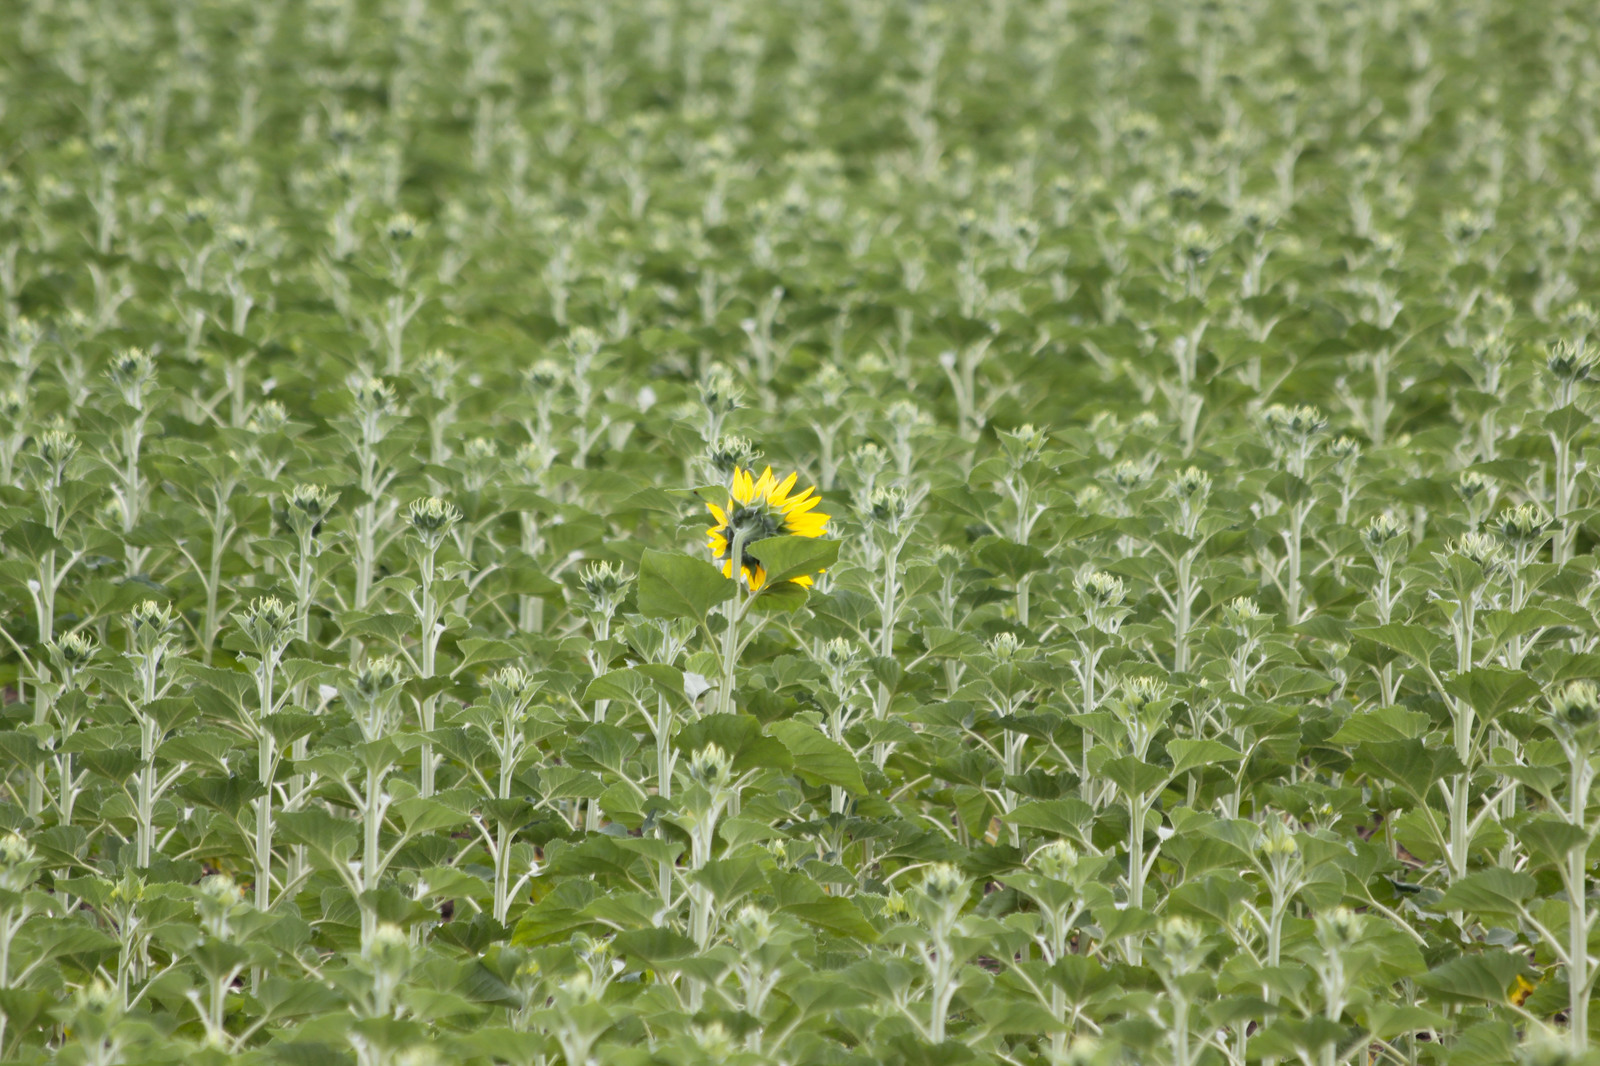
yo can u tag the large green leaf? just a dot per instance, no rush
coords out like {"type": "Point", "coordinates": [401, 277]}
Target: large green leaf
{"type": "Point", "coordinates": [679, 586]}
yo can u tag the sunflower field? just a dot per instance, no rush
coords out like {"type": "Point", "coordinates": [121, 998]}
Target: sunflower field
{"type": "Point", "coordinates": [903, 532]}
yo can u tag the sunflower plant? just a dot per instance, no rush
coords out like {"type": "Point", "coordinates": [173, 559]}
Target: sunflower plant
{"type": "Point", "coordinates": [763, 529]}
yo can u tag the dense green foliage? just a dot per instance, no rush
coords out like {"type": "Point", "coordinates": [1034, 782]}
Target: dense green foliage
{"type": "Point", "coordinates": [1198, 664]}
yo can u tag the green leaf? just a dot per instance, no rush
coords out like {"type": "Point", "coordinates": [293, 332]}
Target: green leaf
{"type": "Point", "coordinates": [1008, 558]}
{"type": "Point", "coordinates": [1134, 776]}
{"type": "Point", "coordinates": [1191, 754]}
{"type": "Point", "coordinates": [1416, 643]}
{"type": "Point", "coordinates": [1486, 977]}
{"type": "Point", "coordinates": [1492, 893]}
{"type": "Point", "coordinates": [673, 585]}
{"type": "Point", "coordinates": [817, 758]}
{"type": "Point", "coordinates": [475, 651]}
{"type": "Point", "coordinates": [1492, 690]}
{"type": "Point", "coordinates": [786, 558]}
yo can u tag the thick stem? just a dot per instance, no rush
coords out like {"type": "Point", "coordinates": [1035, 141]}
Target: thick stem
{"type": "Point", "coordinates": [733, 611]}
{"type": "Point", "coordinates": [1578, 908]}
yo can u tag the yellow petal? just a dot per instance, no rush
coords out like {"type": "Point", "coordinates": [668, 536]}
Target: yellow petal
{"type": "Point", "coordinates": [798, 506]}
{"type": "Point", "coordinates": [719, 514]}
{"type": "Point", "coordinates": [763, 487]}
{"type": "Point", "coordinates": [783, 488]}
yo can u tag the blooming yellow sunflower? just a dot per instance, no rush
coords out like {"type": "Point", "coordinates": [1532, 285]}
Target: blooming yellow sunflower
{"type": "Point", "coordinates": [762, 507]}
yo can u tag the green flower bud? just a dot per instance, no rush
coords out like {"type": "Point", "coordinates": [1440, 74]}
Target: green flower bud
{"type": "Point", "coordinates": [605, 581]}
{"type": "Point", "coordinates": [944, 884]}
{"type": "Point", "coordinates": [1277, 841]}
{"type": "Point", "coordinates": [1240, 612]}
{"type": "Point", "coordinates": [1006, 647]}
{"type": "Point", "coordinates": [1470, 485]}
{"type": "Point", "coordinates": [1524, 526]}
{"type": "Point", "coordinates": [711, 767]}
{"type": "Point", "coordinates": [1129, 475]}
{"type": "Point", "coordinates": [1192, 483]}
{"type": "Point", "coordinates": [1576, 707]}
{"type": "Point", "coordinates": [132, 371]}
{"type": "Point", "coordinates": [840, 654]}
{"type": "Point", "coordinates": [1056, 860]}
{"type": "Point", "coordinates": [584, 344]}
{"type": "Point", "coordinates": [1181, 944]}
{"type": "Point", "coordinates": [1482, 549]}
{"type": "Point", "coordinates": [400, 228]}
{"type": "Point", "coordinates": [1295, 425]}
{"type": "Point", "coordinates": [1196, 243]}
{"type": "Point", "coordinates": [1139, 692]}
{"type": "Point", "coordinates": [731, 453]}
{"type": "Point", "coordinates": [75, 650]}
{"type": "Point", "coordinates": [719, 393]}
{"type": "Point", "coordinates": [1344, 449]}
{"type": "Point", "coordinates": [17, 863]}
{"type": "Point", "coordinates": [373, 397]}
{"type": "Point", "coordinates": [387, 950]}
{"type": "Point", "coordinates": [269, 416]}
{"type": "Point", "coordinates": [1382, 533]}
{"type": "Point", "coordinates": [432, 518]}
{"type": "Point", "coordinates": [543, 376]}
{"type": "Point", "coordinates": [306, 507]}
{"type": "Point", "coordinates": [56, 447]}
{"type": "Point", "coordinates": [1569, 362]}
{"type": "Point", "coordinates": [267, 624]}
{"type": "Point", "coordinates": [887, 504]}
{"type": "Point", "coordinates": [1101, 590]}
{"type": "Point", "coordinates": [1339, 929]}
{"type": "Point", "coordinates": [751, 929]}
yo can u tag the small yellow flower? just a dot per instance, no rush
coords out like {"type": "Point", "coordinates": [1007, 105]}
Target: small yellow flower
{"type": "Point", "coordinates": [761, 508]}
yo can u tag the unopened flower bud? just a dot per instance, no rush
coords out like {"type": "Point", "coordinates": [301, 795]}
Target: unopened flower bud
{"type": "Point", "coordinates": [1023, 444]}
{"type": "Point", "coordinates": [1481, 549]}
{"type": "Point", "coordinates": [372, 396]}
{"type": "Point", "coordinates": [1523, 526]}
{"type": "Point", "coordinates": [269, 416]}
{"type": "Point", "coordinates": [432, 518]}
{"type": "Point", "coordinates": [306, 507]}
{"type": "Point", "coordinates": [887, 504]}
{"type": "Point", "coordinates": [1056, 860]}
{"type": "Point", "coordinates": [1005, 647]}
{"type": "Point", "coordinates": [76, 650]}
{"type": "Point", "coordinates": [1576, 707]}
{"type": "Point", "coordinates": [1139, 692]}
{"type": "Point", "coordinates": [1569, 363]}
{"type": "Point", "coordinates": [1470, 485]}
{"type": "Point", "coordinates": [711, 767]}
{"type": "Point", "coordinates": [1101, 590]}
{"type": "Point", "coordinates": [400, 228]}
{"type": "Point", "coordinates": [1129, 475]}
{"type": "Point", "coordinates": [732, 453]}
{"type": "Point", "coordinates": [719, 392]}
{"type": "Point", "coordinates": [1339, 928]}
{"type": "Point", "coordinates": [543, 375]}
{"type": "Point", "coordinates": [56, 447]}
{"type": "Point", "coordinates": [387, 950]}
{"type": "Point", "coordinates": [1181, 944]}
{"type": "Point", "coordinates": [132, 371]}
{"type": "Point", "coordinates": [267, 624]}
{"type": "Point", "coordinates": [1192, 483]}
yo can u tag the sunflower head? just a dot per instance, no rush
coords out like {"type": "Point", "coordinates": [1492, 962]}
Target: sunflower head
{"type": "Point", "coordinates": [758, 508]}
